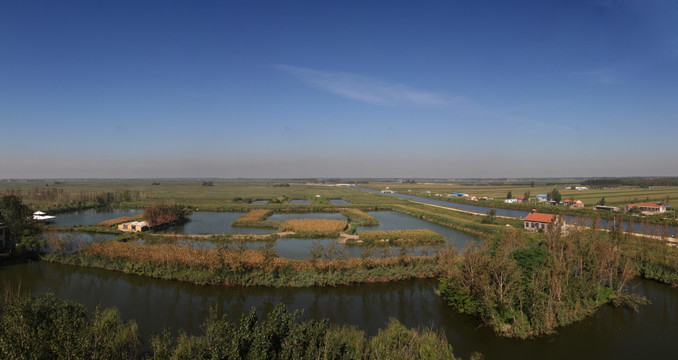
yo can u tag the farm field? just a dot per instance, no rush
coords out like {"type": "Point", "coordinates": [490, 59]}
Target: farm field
{"type": "Point", "coordinates": [50, 194]}
{"type": "Point", "coordinates": [614, 196]}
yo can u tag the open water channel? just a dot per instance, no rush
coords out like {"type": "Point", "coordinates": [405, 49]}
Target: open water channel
{"type": "Point", "coordinates": [605, 223]}
{"type": "Point", "coordinates": [156, 304]}
{"type": "Point", "coordinates": [611, 333]}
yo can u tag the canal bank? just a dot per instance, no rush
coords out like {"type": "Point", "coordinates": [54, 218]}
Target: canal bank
{"type": "Point", "coordinates": [156, 304]}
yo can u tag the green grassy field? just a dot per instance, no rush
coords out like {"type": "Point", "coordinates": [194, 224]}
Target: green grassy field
{"type": "Point", "coordinates": [614, 197]}
{"type": "Point", "coordinates": [50, 194]}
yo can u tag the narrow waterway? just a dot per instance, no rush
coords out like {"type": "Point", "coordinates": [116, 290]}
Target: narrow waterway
{"type": "Point", "coordinates": [615, 333]}
{"type": "Point", "coordinates": [605, 223]}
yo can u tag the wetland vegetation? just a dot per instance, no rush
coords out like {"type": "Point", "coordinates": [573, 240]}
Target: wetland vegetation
{"type": "Point", "coordinates": [519, 284]}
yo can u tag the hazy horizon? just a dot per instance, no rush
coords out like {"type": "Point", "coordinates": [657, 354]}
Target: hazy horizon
{"type": "Point", "coordinates": [153, 89]}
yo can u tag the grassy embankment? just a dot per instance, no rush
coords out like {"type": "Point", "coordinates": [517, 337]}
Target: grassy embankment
{"type": "Point", "coordinates": [244, 267]}
{"type": "Point", "coordinates": [46, 327]}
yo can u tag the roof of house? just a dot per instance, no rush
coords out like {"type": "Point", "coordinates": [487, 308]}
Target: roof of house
{"type": "Point", "coordinates": [520, 197]}
{"type": "Point", "coordinates": [645, 205]}
{"type": "Point", "coordinates": [571, 201]}
{"type": "Point", "coordinates": [539, 217]}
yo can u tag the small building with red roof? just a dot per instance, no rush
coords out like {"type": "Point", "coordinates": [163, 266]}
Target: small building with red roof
{"type": "Point", "coordinates": [647, 207]}
{"type": "Point", "coordinates": [535, 221]}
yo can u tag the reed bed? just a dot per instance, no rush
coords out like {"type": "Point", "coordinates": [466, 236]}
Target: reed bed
{"type": "Point", "coordinates": [358, 217]}
{"type": "Point", "coordinates": [315, 227]}
{"type": "Point", "coordinates": [120, 220]}
{"type": "Point", "coordinates": [391, 237]}
{"type": "Point", "coordinates": [256, 218]}
{"type": "Point", "coordinates": [244, 267]}
{"type": "Point", "coordinates": [254, 215]}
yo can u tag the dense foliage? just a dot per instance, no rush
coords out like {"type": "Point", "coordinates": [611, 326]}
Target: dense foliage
{"type": "Point", "coordinates": [164, 214]}
{"type": "Point", "coordinates": [525, 288]}
{"type": "Point", "coordinates": [46, 327]}
{"type": "Point", "coordinates": [20, 226]}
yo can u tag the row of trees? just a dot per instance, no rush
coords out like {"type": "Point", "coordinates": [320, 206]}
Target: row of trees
{"type": "Point", "coordinates": [525, 286]}
{"type": "Point", "coordinates": [46, 327]}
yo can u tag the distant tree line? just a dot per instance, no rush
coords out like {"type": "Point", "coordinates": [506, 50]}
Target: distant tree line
{"type": "Point", "coordinates": [642, 182]}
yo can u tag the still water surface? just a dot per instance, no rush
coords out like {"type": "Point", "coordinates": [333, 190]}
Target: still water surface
{"type": "Point", "coordinates": [92, 216]}
{"type": "Point", "coordinates": [614, 333]}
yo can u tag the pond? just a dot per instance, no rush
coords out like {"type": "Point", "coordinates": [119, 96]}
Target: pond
{"type": "Point", "coordinates": [260, 202]}
{"type": "Point", "coordinates": [290, 216]}
{"type": "Point", "coordinates": [203, 222]}
{"type": "Point", "coordinates": [300, 202]}
{"type": "Point", "coordinates": [391, 220]}
{"type": "Point", "coordinates": [92, 216]}
{"type": "Point", "coordinates": [339, 202]}
{"type": "Point", "coordinates": [611, 333]}
{"type": "Point", "coordinates": [299, 248]}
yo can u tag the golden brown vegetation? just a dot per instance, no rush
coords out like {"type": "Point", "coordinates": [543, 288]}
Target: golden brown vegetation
{"type": "Point", "coordinates": [120, 220]}
{"type": "Point", "coordinates": [253, 216]}
{"type": "Point", "coordinates": [315, 226]}
{"type": "Point", "coordinates": [400, 236]}
{"type": "Point", "coordinates": [163, 255]}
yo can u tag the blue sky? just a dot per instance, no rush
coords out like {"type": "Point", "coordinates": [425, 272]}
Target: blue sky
{"type": "Point", "coordinates": [338, 89]}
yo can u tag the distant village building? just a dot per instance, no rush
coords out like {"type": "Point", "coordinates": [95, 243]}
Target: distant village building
{"type": "Point", "coordinates": [387, 191]}
{"type": "Point", "coordinates": [542, 197]}
{"type": "Point", "coordinates": [581, 188]}
{"type": "Point", "coordinates": [606, 208]}
{"type": "Point", "coordinates": [521, 199]}
{"type": "Point", "coordinates": [535, 221]}
{"type": "Point", "coordinates": [134, 226]}
{"type": "Point", "coordinates": [647, 208]}
{"type": "Point", "coordinates": [511, 201]}
{"type": "Point", "coordinates": [574, 203]}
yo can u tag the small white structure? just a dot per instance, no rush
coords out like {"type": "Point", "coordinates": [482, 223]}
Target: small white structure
{"type": "Point", "coordinates": [134, 226]}
{"type": "Point", "coordinates": [581, 188]}
{"type": "Point", "coordinates": [574, 203]}
{"type": "Point", "coordinates": [43, 218]}
{"type": "Point", "coordinates": [511, 201]}
{"type": "Point", "coordinates": [387, 191]}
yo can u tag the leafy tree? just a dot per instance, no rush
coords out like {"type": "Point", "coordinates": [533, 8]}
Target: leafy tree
{"type": "Point", "coordinates": [509, 195]}
{"type": "Point", "coordinates": [555, 195]}
{"type": "Point", "coordinates": [491, 216]}
{"type": "Point", "coordinates": [21, 227]}
{"type": "Point", "coordinates": [601, 201]}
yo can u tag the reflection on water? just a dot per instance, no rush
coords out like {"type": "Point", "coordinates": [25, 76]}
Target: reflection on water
{"type": "Point", "coordinates": [611, 333]}
{"type": "Point", "coordinates": [93, 216]}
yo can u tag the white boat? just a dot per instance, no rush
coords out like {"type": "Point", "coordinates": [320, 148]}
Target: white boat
{"type": "Point", "coordinates": [43, 217]}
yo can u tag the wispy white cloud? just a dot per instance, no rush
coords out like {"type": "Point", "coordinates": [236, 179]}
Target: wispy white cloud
{"type": "Point", "coordinates": [371, 91]}
{"type": "Point", "coordinates": [601, 76]}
